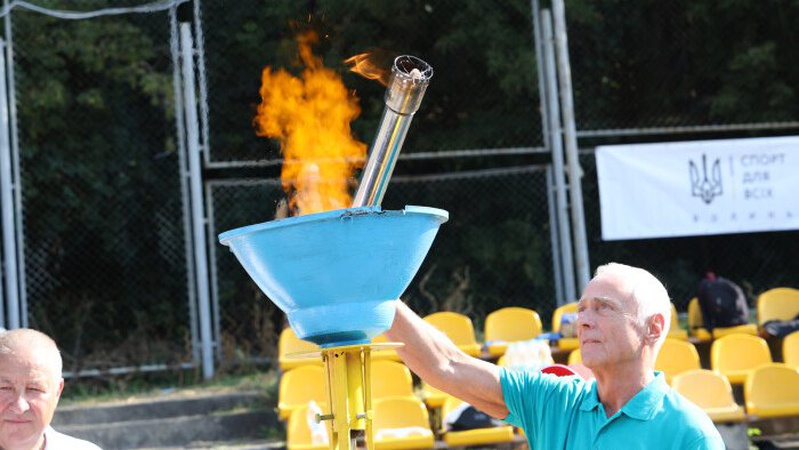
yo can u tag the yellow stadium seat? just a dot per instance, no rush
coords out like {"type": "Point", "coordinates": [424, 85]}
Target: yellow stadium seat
{"type": "Point", "coordinates": [780, 303]}
{"type": "Point", "coordinates": [458, 328]}
{"type": "Point", "coordinates": [388, 354]}
{"type": "Point", "coordinates": [298, 387]}
{"type": "Point", "coordinates": [772, 390]}
{"type": "Point", "coordinates": [299, 435]}
{"type": "Point", "coordinates": [568, 343]}
{"type": "Point", "coordinates": [575, 357]}
{"type": "Point", "coordinates": [475, 436]}
{"type": "Point", "coordinates": [289, 344]}
{"type": "Point", "coordinates": [710, 391]}
{"type": "Point", "coordinates": [433, 397]}
{"type": "Point", "coordinates": [511, 324]}
{"type": "Point", "coordinates": [401, 423]}
{"type": "Point", "coordinates": [736, 355]}
{"type": "Point", "coordinates": [695, 321]}
{"type": "Point", "coordinates": [675, 332]}
{"type": "Point", "coordinates": [790, 350]}
{"type": "Point", "coordinates": [390, 378]}
{"type": "Point", "coordinates": [747, 328]}
{"type": "Point", "coordinates": [677, 356]}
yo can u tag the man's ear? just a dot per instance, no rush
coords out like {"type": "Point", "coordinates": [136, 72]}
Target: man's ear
{"type": "Point", "coordinates": [59, 388]}
{"type": "Point", "coordinates": [655, 327]}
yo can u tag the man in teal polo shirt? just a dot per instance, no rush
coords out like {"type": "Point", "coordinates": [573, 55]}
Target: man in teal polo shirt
{"type": "Point", "coordinates": [623, 318]}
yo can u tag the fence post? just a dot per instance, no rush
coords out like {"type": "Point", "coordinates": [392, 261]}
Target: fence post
{"type": "Point", "coordinates": [570, 140]}
{"type": "Point", "coordinates": [199, 232]}
{"type": "Point", "coordinates": [8, 185]}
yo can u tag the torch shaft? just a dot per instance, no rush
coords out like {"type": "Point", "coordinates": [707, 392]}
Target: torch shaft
{"type": "Point", "coordinates": [406, 87]}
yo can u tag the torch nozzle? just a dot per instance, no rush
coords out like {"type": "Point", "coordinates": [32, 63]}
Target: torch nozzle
{"type": "Point", "coordinates": [406, 87]}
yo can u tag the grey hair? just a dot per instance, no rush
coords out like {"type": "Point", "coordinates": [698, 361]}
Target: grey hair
{"type": "Point", "coordinates": [646, 290]}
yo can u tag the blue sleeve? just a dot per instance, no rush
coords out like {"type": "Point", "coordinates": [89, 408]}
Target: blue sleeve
{"type": "Point", "coordinates": [536, 401]}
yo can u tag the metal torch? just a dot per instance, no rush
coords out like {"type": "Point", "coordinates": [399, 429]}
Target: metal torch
{"type": "Point", "coordinates": [406, 86]}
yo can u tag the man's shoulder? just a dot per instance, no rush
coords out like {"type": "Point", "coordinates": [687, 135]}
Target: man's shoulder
{"type": "Point", "coordinates": [60, 441]}
{"type": "Point", "coordinates": [686, 415]}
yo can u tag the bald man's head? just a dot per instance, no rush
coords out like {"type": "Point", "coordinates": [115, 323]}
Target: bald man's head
{"type": "Point", "coordinates": [39, 346]}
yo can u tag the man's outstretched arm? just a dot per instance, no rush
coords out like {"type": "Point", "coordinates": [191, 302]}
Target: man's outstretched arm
{"type": "Point", "coordinates": [435, 359]}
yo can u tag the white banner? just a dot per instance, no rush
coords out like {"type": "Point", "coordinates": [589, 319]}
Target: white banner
{"type": "Point", "coordinates": [698, 188]}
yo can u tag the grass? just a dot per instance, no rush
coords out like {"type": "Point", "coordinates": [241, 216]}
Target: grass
{"type": "Point", "coordinates": [173, 384]}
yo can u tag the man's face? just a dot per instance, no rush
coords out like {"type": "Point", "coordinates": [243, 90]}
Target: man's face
{"type": "Point", "coordinates": [607, 324]}
{"type": "Point", "coordinates": [29, 393]}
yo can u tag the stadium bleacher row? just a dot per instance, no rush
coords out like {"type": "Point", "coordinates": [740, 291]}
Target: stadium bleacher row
{"type": "Point", "coordinates": [738, 357]}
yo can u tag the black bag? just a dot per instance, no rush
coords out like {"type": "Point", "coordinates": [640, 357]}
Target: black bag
{"type": "Point", "coordinates": [781, 328]}
{"type": "Point", "coordinates": [723, 303]}
{"type": "Point", "coordinates": [467, 417]}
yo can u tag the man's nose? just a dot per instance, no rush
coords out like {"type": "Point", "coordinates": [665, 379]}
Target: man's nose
{"type": "Point", "coordinates": [19, 404]}
{"type": "Point", "coordinates": [585, 319]}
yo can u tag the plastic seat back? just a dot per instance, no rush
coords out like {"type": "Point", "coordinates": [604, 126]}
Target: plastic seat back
{"type": "Point", "coordinates": [458, 328]}
{"type": "Point", "coordinates": [433, 397]}
{"type": "Point", "coordinates": [481, 436]}
{"type": "Point", "coordinates": [677, 356]}
{"type": "Point", "coordinates": [780, 303]}
{"type": "Point", "coordinates": [675, 331]}
{"type": "Point", "coordinates": [298, 387]}
{"type": "Point", "coordinates": [511, 324]}
{"type": "Point", "coordinates": [710, 391]}
{"type": "Point", "coordinates": [390, 378]}
{"type": "Point", "coordinates": [400, 423]}
{"type": "Point", "coordinates": [568, 343]}
{"type": "Point", "coordinates": [557, 316]}
{"type": "Point", "coordinates": [289, 344]}
{"type": "Point", "coordinates": [790, 350]}
{"type": "Point", "coordinates": [575, 357]}
{"type": "Point", "coordinates": [299, 435]}
{"type": "Point", "coordinates": [696, 322]}
{"type": "Point", "coordinates": [389, 354]}
{"type": "Point", "coordinates": [736, 355]}
{"type": "Point", "coordinates": [772, 390]}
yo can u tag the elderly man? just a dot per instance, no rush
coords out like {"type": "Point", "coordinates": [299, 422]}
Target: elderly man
{"type": "Point", "coordinates": [30, 386]}
{"type": "Point", "coordinates": [623, 318]}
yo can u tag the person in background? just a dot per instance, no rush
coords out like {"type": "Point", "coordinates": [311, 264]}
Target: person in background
{"type": "Point", "coordinates": [623, 318]}
{"type": "Point", "coordinates": [30, 387]}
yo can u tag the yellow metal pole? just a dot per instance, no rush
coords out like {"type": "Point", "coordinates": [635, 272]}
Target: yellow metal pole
{"type": "Point", "coordinates": [367, 377]}
{"type": "Point", "coordinates": [349, 392]}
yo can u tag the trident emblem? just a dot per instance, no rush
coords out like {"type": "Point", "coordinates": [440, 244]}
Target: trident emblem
{"type": "Point", "coordinates": [702, 186]}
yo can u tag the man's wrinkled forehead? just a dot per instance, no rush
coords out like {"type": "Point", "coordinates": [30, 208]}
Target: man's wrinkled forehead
{"type": "Point", "coordinates": [36, 364]}
{"type": "Point", "coordinates": [586, 301]}
{"type": "Point", "coordinates": [609, 287]}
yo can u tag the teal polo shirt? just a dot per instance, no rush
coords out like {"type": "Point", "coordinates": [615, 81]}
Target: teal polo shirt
{"type": "Point", "coordinates": [565, 413]}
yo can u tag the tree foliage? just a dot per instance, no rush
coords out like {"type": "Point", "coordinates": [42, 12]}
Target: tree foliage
{"type": "Point", "coordinates": [104, 234]}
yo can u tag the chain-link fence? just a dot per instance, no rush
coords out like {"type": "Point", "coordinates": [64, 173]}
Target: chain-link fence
{"type": "Point", "coordinates": [104, 224]}
{"type": "Point", "coordinates": [648, 71]}
{"type": "Point", "coordinates": [471, 148]}
{"type": "Point", "coordinates": [104, 242]}
{"type": "Point", "coordinates": [494, 251]}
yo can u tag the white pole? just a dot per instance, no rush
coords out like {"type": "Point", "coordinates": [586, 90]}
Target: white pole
{"type": "Point", "coordinates": [197, 207]}
{"type": "Point", "coordinates": [558, 169]}
{"type": "Point", "coordinates": [13, 135]}
{"type": "Point", "coordinates": [180, 127]}
{"type": "Point", "coordinates": [570, 140]}
{"type": "Point", "coordinates": [543, 94]}
{"type": "Point", "coordinates": [7, 205]}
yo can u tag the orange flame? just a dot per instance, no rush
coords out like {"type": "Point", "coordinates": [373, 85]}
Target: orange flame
{"type": "Point", "coordinates": [364, 66]}
{"type": "Point", "coordinates": [310, 115]}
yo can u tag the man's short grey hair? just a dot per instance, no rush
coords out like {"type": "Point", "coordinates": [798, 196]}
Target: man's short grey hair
{"type": "Point", "coordinates": [647, 291]}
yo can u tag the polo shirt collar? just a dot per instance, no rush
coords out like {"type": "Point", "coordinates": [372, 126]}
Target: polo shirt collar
{"type": "Point", "coordinates": [642, 406]}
